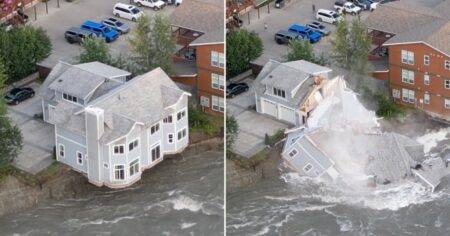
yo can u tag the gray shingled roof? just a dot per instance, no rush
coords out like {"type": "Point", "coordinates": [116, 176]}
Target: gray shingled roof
{"type": "Point", "coordinates": [77, 82]}
{"type": "Point", "coordinates": [205, 16]}
{"type": "Point", "coordinates": [103, 69]}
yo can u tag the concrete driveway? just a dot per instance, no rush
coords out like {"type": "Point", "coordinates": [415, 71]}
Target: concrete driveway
{"type": "Point", "coordinates": [74, 14]}
{"type": "Point", "coordinates": [38, 137]}
{"type": "Point", "coordinates": [295, 11]}
{"type": "Point", "coordinates": [252, 126]}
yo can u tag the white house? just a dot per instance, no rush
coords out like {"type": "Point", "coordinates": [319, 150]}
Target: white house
{"type": "Point", "coordinates": [112, 129]}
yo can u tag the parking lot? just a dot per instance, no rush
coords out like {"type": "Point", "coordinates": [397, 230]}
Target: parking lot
{"type": "Point", "coordinates": [38, 137]}
{"type": "Point", "coordinates": [295, 11]}
{"type": "Point", "coordinates": [253, 126]}
{"type": "Point", "coordinates": [74, 14]}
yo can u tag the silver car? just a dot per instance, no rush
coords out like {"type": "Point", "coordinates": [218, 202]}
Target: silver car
{"type": "Point", "coordinates": [117, 25]}
{"type": "Point", "coordinates": [318, 27]}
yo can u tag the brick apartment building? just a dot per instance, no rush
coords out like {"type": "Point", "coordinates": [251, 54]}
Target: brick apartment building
{"type": "Point", "coordinates": [8, 9]}
{"type": "Point", "coordinates": [412, 52]}
{"type": "Point", "coordinates": [198, 27]}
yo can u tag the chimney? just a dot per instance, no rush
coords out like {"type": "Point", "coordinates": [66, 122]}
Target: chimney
{"type": "Point", "coordinates": [94, 130]}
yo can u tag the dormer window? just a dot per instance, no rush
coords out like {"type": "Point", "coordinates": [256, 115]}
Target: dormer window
{"type": "Point", "coordinates": [154, 129]}
{"type": "Point", "coordinates": [118, 149]}
{"type": "Point", "coordinates": [133, 145]}
{"type": "Point", "coordinates": [168, 119]}
{"type": "Point", "coordinates": [279, 92]}
{"type": "Point", "coordinates": [70, 98]}
{"type": "Point", "coordinates": [181, 114]}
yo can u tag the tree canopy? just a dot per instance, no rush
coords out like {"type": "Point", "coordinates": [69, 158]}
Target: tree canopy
{"type": "Point", "coordinates": [242, 47]}
{"type": "Point", "coordinates": [302, 50]}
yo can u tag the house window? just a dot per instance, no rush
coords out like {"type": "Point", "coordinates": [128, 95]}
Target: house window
{"type": "Point", "coordinates": [168, 119]}
{"type": "Point", "coordinates": [217, 59]}
{"type": "Point", "coordinates": [426, 79]}
{"type": "Point", "coordinates": [79, 158]}
{"type": "Point", "coordinates": [426, 60]}
{"type": "Point", "coordinates": [217, 81]}
{"type": "Point", "coordinates": [61, 150]}
{"type": "Point", "coordinates": [217, 103]}
{"type": "Point", "coordinates": [118, 149]}
{"type": "Point", "coordinates": [70, 98]}
{"type": "Point", "coordinates": [279, 92]}
{"type": "Point", "coordinates": [407, 76]}
{"type": "Point", "coordinates": [119, 172]}
{"type": "Point", "coordinates": [154, 129]}
{"type": "Point", "coordinates": [134, 167]}
{"type": "Point", "coordinates": [426, 98]}
{"type": "Point", "coordinates": [182, 134]}
{"type": "Point", "coordinates": [407, 57]}
{"type": "Point", "coordinates": [156, 153]}
{"type": "Point", "coordinates": [395, 93]}
{"type": "Point", "coordinates": [447, 84]}
{"type": "Point", "coordinates": [307, 167]}
{"type": "Point", "coordinates": [447, 103]}
{"type": "Point", "coordinates": [133, 145]}
{"type": "Point", "coordinates": [181, 114]}
{"type": "Point", "coordinates": [408, 96]}
{"type": "Point", "coordinates": [170, 138]}
{"type": "Point", "coordinates": [293, 152]}
{"type": "Point", "coordinates": [447, 65]}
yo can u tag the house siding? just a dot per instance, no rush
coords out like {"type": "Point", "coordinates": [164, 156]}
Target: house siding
{"type": "Point", "coordinates": [71, 147]}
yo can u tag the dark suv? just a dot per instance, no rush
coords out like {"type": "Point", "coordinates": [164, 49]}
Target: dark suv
{"type": "Point", "coordinates": [284, 36]}
{"type": "Point", "coordinates": [76, 35]}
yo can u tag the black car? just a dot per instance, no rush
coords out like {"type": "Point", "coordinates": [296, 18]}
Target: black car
{"type": "Point", "coordinates": [76, 35]}
{"type": "Point", "coordinates": [284, 36]}
{"type": "Point", "coordinates": [234, 89]}
{"type": "Point", "coordinates": [17, 95]}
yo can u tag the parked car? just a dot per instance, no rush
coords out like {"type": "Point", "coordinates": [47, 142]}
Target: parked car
{"type": "Point", "coordinates": [284, 36]}
{"type": "Point", "coordinates": [154, 4]}
{"type": "Point", "coordinates": [347, 7]}
{"type": "Point", "coordinates": [365, 4]}
{"type": "Point", "coordinates": [279, 3]}
{"type": "Point", "coordinates": [117, 25]}
{"type": "Point", "coordinates": [127, 11]}
{"type": "Point", "coordinates": [305, 33]}
{"type": "Point", "coordinates": [234, 89]}
{"type": "Point", "coordinates": [318, 27]}
{"type": "Point", "coordinates": [174, 2]}
{"type": "Point", "coordinates": [328, 16]}
{"type": "Point", "coordinates": [76, 34]}
{"type": "Point", "coordinates": [100, 30]}
{"type": "Point", "coordinates": [18, 95]}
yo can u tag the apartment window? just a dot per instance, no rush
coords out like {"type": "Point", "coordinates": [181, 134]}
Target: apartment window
{"type": "Point", "coordinates": [426, 60]}
{"type": "Point", "coordinates": [182, 134]}
{"type": "Point", "coordinates": [217, 103]}
{"type": "Point", "coordinates": [181, 114]}
{"type": "Point", "coordinates": [307, 167]}
{"type": "Point", "coordinates": [395, 93]}
{"type": "Point", "coordinates": [154, 129]}
{"type": "Point", "coordinates": [119, 172]}
{"type": "Point", "coordinates": [61, 150]}
{"type": "Point", "coordinates": [217, 59]}
{"type": "Point", "coordinates": [447, 84]}
{"type": "Point", "coordinates": [447, 65]}
{"type": "Point", "coordinates": [133, 145]}
{"type": "Point", "coordinates": [170, 138]}
{"type": "Point", "coordinates": [407, 57]}
{"type": "Point", "coordinates": [119, 149]}
{"type": "Point", "coordinates": [407, 76]}
{"type": "Point", "coordinates": [168, 119]}
{"type": "Point", "coordinates": [408, 96]}
{"type": "Point", "coordinates": [217, 81]}
{"type": "Point", "coordinates": [156, 153]}
{"type": "Point", "coordinates": [447, 103]}
{"type": "Point", "coordinates": [426, 98]}
{"type": "Point", "coordinates": [279, 92]}
{"type": "Point", "coordinates": [134, 167]}
{"type": "Point", "coordinates": [70, 98]}
{"type": "Point", "coordinates": [79, 158]}
{"type": "Point", "coordinates": [426, 79]}
{"type": "Point", "coordinates": [293, 152]}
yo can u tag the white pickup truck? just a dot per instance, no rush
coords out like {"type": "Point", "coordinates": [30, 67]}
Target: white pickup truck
{"type": "Point", "coordinates": [347, 7]}
{"type": "Point", "coordinates": [155, 4]}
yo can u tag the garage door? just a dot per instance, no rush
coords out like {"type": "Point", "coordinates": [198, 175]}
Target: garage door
{"type": "Point", "coordinates": [269, 108]}
{"type": "Point", "coordinates": [287, 114]}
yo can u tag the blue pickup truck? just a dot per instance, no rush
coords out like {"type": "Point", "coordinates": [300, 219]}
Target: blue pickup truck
{"type": "Point", "coordinates": [100, 30]}
{"type": "Point", "coordinates": [305, 33]}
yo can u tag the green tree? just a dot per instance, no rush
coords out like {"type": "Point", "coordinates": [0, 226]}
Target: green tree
{"type": "Point", "coordinates": [94, 49]}
{"type": "Point", "coordinates": [152, 44]}
{"type": "Point", "coordinates": [340, 45]}
{"type": "Point", "coordinates": [360, 44]}
{"type": "Point", "coordinates": [10, 136]}
{"type": "Point", "coordinates": [242, 47]}
{"type": "Point", "coordinates": [21, 49]}
{"type": "Point", "coordinates": [303, 50]}
{"type": "Point", "coordinates": [232, 130]}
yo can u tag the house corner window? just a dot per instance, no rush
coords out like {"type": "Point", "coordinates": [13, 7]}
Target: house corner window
{"type": "Point", "coordinates": [133, 145]}
{"type": "Point", "coordinates": [170, 138]}
{"type": "Point", "coordinates": [79, 158]}
{"type": "Point", "coordinates": [134, 167]}
{"type": "Point", "coordinates": [168, 119]}
{"type": "Point", "coordinates": [154, 129]}
{"type": "Point", "coordinates": [61, 150]}
{"type": "Point", "coordinates": [182, 134]}
{"type": "Point", "coordinates": [119, 172]}
{"type": "Point", "coordinates": [118, 149]}
{"type": "Point", "coordinates": [156, 153]}
{"type": "Point", "coordinates": [181, 114]}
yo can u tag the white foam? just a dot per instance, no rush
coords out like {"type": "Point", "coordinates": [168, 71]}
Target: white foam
{"type": "Point", "coordinates": [185, 203]}
{"type": "Point", "coordinates": [431, 138]}
{"type": "Point", "coordinates": [187, 225]}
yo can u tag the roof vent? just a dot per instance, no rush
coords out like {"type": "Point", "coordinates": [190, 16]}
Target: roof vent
{"type": "Point", "coordinates": [270, 76]}
{"type": "Point", "coordinates": [60, 80]}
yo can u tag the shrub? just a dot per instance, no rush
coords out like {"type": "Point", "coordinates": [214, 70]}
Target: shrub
{"type": "Point", "coordinates": [200, 121]}
{"type": "Point", "coordinates": [232, 131]}
{"type": "Point", "coordinates": [242, 48]}
{"type": "Point", "coordinates": [94, 49]}
{"type": "Point", "coordinates": [387, 107]}
{"type": "Point", "coordinates": [272, 139]}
